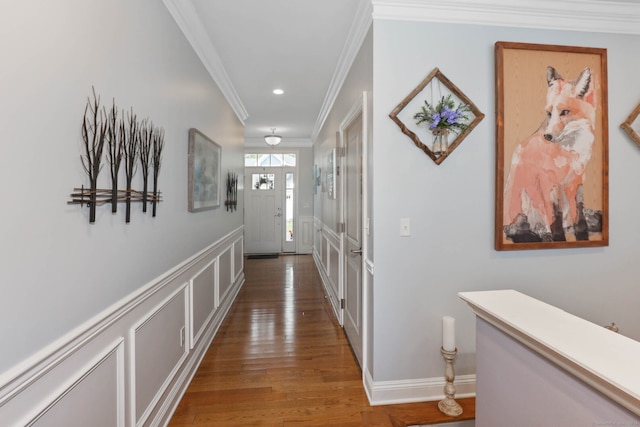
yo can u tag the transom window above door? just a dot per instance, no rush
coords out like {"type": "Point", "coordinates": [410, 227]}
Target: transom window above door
{"type": "Point", "coordinates": [273, 160]}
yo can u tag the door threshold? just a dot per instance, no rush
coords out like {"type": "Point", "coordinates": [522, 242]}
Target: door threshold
{"type": "Point", "coordinates": [263, 256]}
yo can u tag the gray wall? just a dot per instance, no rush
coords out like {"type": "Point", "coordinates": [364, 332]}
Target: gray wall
{"type": "Point", "coordinates": [358, 80]}
{"type": "Point", "coordinates": [451, 206]}
{"type": "Point", "coordinates": [58, 270]}
{"type": "Point", "coordinates": [305, 178]}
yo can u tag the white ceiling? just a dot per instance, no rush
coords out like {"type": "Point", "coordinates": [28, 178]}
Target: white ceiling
{"type": "Point", "coordinates": [306, 47]}
{"type": "Point", "coordinates": [260, 45]}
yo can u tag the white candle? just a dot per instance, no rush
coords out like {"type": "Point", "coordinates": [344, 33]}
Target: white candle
{"type": "Point", "coordinates": [448, 333]}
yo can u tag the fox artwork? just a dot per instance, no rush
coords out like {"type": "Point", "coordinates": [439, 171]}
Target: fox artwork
{"type": "Point", "coordinates": [543, 193]}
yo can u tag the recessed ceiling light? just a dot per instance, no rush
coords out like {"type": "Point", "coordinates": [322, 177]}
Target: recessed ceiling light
{"type": "Point", "coordinates": [278, 91]}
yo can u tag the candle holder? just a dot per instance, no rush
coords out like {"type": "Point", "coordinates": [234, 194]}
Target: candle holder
{"type": "Point", "coordinates": [448, 405]}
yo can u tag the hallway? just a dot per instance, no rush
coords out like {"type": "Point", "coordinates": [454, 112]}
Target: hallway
{"type": "Point", "coordinates": [281, 359]}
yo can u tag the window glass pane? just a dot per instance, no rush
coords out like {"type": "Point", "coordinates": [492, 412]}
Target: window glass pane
{"type": "Point", "coordinates": [262, 181]}
{"type": "Point", "coordinates": [288, 208]}
{"type": "Point", "coordinates": [269, 160]}
{"type": "Point", "coordinates": [251, 160]}
{"type": "Point", "coordinates": [289, 159]}
{"type": "Point", "coordinates": [264, 160]}
{"type": "Point", "coordinates": [276, 160]}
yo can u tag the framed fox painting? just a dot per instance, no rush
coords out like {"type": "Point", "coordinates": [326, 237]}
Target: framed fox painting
{"type": "Point", "coordinates": [552, 147]}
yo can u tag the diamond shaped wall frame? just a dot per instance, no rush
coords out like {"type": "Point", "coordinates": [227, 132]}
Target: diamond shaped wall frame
{"type": "Point", "coordinates": [627, 126]}
{"type": "Point", "coordinates": [435, 77]}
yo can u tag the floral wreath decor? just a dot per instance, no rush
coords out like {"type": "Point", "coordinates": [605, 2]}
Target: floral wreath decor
{"type": "Point", "coordinates": [454, 114]}
{"type": "Point", "coordinates": [443, 118]}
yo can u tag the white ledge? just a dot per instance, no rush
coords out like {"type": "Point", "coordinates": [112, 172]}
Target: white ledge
{"type": "Point", "coordinates": [603, 359]}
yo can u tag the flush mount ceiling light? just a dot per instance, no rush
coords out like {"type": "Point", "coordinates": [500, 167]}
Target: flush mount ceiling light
{"type": "Point", "coordinates": [272, 139]}
{"type": "Point", "coordinates": [278, 91]}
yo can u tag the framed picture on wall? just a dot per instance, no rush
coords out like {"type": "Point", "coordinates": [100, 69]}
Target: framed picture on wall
{"type": "Point", "coordinates": [552, 147]}
{"type": "Point", "coordinates": [315, 182]}
{"type": "Point", "coordinates": [204, 172]}
{"type": "Point", "coordinates": [331, 174]}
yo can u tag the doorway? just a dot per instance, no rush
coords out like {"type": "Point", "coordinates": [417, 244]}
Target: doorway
{"type": "Point", "coordinates": [270, 213]}
{"type": "Point", "coordinates": [353, 133]}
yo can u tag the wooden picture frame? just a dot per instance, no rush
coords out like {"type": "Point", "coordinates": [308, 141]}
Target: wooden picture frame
{"type": "Point", "coordinates": [406, 122]}
{"type": "Point", "coordinates": [628, 124]}
{"type": "Point", "coordinates": [552, 147]}
{"type": "Point", "coordinates": [205, 158]}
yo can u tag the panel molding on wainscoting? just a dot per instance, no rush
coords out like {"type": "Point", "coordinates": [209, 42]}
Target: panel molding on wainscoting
{"type": "Point", "coordinates": [194, 335]}
{"type": "Point", "coordinates": [420, 390]}
{"type": "Point", "coordinates": [115, 349]}
{"type": "Point", "coordinates": [185, 376]}
{"type": "Point", "coordinates": [47, 372]}
{"type": "Point", "coordinates": [153, 313]}
{"type": "Point", "coordinates": [224, 287]}
{"type": "Point", "coordinates": [305, 231]}
{"type": "Point", "coordinates": [330, 241]}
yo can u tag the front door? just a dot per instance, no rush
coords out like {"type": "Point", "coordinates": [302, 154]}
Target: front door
{"type": "Point", "coordinates": [263, 210]}
{"type": "Point", "coordinates": [353, 235]}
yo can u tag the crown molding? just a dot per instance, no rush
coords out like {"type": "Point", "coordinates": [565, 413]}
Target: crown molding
{"type": "Point", "coordinates": [188, 21]}
{"type": "Point", "coordinates": [359, 28]}
{"type": "Point", "coordinates": [621, 17]}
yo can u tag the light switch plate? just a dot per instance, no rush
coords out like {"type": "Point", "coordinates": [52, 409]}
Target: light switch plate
{"type": "Point", "coordinates": [405, 227]}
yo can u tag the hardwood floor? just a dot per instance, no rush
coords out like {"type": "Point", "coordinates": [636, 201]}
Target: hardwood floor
{"type": "Point", "coordinates": [281, 359]}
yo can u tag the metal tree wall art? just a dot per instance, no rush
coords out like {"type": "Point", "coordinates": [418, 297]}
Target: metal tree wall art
{"type": "Point", "coordinates": [130, 157]}
{"type": "Point", "coordinates": [158, 145]}
{"type": "Point", "coordinates": [145, 133]}
{"type": "Point", "coordinates": [232, 191]}
{"type": "Point", "coordinates": [127, 141]}
{"type": "Point", "coordinates": [115, 148]}
{"type": "Point", "coordinates": [94, 131]}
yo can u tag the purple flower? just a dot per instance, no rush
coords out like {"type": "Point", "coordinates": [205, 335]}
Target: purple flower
{"type": "Point", "coordinates": [443, 115]}
{"type": "Point", "coordinates": [450, 115]}
{"type": "Point", "coordinates": [435, 120]}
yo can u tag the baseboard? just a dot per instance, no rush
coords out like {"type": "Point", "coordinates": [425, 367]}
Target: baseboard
{"type": "Point", "coordinates": [421, 390]}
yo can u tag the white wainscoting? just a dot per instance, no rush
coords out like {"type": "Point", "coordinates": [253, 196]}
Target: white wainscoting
{"type": "Point", "coordinates": [327, 258]}
{"type": "Point", "coordinates": [158, 333]}
{"type": "Point", "coordinates": [305, 235]}
{"type": "Point", "coordinates": [130, 365]}
{"type": "Point", "coordinates": [317, 241]}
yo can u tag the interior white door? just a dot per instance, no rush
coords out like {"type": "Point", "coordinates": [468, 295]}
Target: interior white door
{"type": "Point", "coordinates": [353, 236]}
{"type": "Point", "coordinates": [263, 211]}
